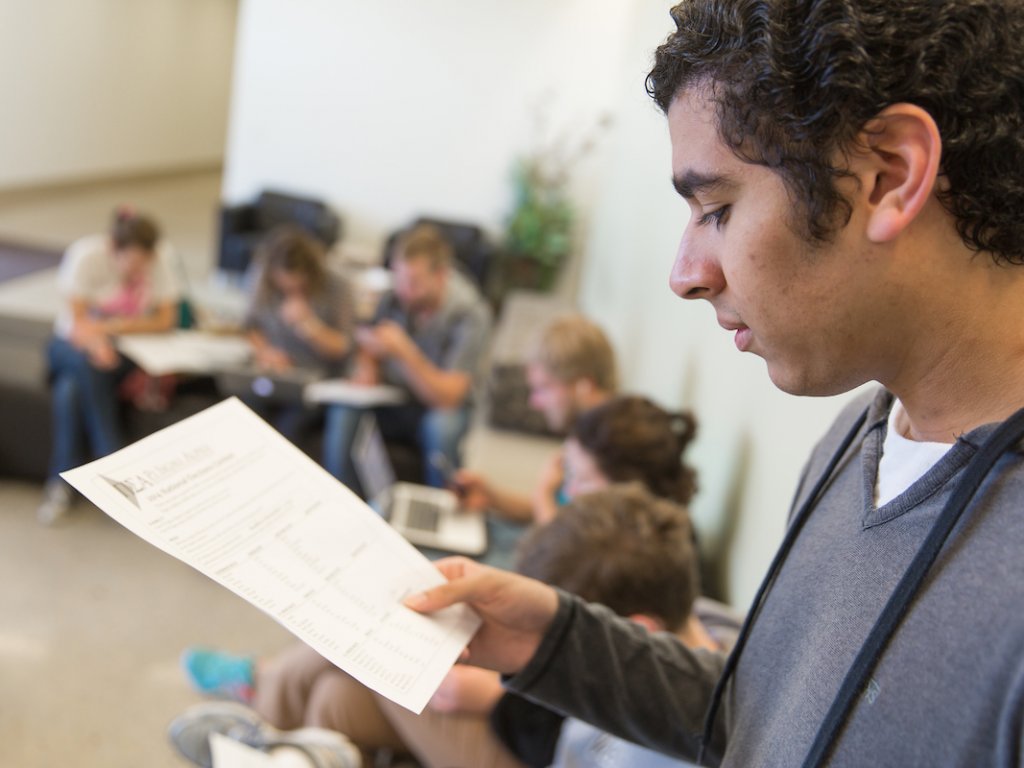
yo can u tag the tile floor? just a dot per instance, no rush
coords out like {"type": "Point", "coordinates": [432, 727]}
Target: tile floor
{"type": "Point", "coordinates": [92, 619]}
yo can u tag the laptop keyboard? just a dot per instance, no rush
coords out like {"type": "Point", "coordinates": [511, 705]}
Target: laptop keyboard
{"type": "Point", "coordinates": [423, 516]}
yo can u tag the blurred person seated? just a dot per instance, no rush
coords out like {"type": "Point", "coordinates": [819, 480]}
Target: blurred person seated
{"type": "Point", "coordinates": [301, 316]}
{"type": "Point", "coordinates": [114, 284]}
{"type": "Point", "coordinates": [626, 438]}
{"type": "Point", "coordinates": [620, 546]}
{"type": "Point", "coordinates": [427, 337]}
{"type": "Point", "coordinates": [570, 368]}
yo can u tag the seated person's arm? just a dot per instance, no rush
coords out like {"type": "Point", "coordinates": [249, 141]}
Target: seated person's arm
{"type": "Point", "coordinates": [477, 493]}
{"type": "Point", "coordinates": [467, 690]}
{"type": "Point", "coordinates": [330, 342]}
{"type": "Point", "coordinates": [265, 354]}
{"type": "Point", "coordinates": [327, 341]}
{"type": "Point", "coordinates": [366, 369]}
{"type": "Point", "coordinates": [90, 336]}
{"type": "Point", "coordinates": [545, 495]}
{"type": "Point", "coordinates": [162, 318]}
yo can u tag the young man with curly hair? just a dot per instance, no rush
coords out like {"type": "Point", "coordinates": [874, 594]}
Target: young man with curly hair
{"type": "Point", "coordinates": [855, 175]}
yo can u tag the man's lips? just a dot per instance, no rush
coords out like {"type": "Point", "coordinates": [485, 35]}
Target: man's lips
{"type": "Point", "coordinates": [743, 335]}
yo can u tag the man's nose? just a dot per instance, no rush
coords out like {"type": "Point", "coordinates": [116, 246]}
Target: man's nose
{"type": "Point", "coordinates": [696, 275]}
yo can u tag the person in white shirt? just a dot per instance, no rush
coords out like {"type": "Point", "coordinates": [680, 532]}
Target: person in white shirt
{"type": "Point", "coordinates": [111, 284]}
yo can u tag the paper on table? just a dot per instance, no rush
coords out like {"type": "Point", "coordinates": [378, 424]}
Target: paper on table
{"type": "Point", "coordinates": [184, 351]}
{"type": "Point", "coordinates": [227, 494]}
{"type": "Point", "coordinates": [345, 392]}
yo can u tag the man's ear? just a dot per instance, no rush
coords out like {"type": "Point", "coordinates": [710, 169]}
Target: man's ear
{"type": "Point", "coordinates": [898, 165]}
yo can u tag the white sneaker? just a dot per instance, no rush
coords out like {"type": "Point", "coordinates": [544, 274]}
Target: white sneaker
{"type": "Point", "coordinates": [57, 499]}
{"type": "Point", "coordinates": [189, 733]}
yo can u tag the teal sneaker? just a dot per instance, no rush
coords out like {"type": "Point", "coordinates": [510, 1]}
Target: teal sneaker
{"type": "Point", "coordinates": [220, 674]}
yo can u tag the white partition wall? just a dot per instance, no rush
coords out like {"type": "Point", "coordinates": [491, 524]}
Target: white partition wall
{"type": "Point", "coordinates": [394, 108]}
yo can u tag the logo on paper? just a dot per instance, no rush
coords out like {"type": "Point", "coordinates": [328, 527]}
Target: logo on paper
{"type": "Point", "coordinates": [125, 489]}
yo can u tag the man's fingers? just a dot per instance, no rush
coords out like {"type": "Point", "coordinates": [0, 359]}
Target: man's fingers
{"type": "Point", "coordinates": [435, 599]}
{"type": "Point", "coordinates": [456, 590]}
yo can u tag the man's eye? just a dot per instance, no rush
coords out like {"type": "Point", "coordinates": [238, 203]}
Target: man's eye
{"type": "Point", "coordinates": [718, 217]}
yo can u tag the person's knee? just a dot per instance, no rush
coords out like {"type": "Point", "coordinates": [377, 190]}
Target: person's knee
{"type": "Point", "coordinates": [337, 702]}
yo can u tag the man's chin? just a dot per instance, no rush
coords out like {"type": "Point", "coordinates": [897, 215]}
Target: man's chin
{"type": "Point", "coordinates": [805, 383]}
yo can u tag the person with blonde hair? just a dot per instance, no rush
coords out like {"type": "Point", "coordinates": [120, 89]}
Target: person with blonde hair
{"type": "Point", "coordinates": [570, 368]}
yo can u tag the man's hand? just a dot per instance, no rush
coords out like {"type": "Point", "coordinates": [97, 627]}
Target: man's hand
{"type": "Point", "coordinates": [516, 611]}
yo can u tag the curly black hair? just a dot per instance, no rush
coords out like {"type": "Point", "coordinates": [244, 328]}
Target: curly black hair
{"type": "Point", "coordinates": [796, 81]}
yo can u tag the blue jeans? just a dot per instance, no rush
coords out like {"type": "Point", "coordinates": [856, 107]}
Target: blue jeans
{"type": "Point", "coordinates": [84, 406]}
{"type": "Point", "coordinates": [434, 431]}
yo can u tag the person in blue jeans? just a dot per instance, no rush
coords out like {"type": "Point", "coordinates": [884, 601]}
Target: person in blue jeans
{"type": "Point", "coordinates": [111, 285]}
{"type": "Point", "coordinates": [426, 338]}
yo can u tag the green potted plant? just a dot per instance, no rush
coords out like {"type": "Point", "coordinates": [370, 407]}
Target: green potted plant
{"type": "Point", "coordinates": [538, 229]}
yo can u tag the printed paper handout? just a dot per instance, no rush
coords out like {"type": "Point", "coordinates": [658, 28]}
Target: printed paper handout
{"type": "Point", "coordinates": [225, 493]}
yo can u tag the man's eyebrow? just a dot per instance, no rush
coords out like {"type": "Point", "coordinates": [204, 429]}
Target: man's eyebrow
{"type": "Point", "coordinates": [692, 183]}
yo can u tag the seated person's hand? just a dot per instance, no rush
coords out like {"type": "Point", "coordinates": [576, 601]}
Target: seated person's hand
{"type": "Point", "coordinates": [473, 490]}
{"type": "Point", "coordinates": [272, 359]}
{"type": "Point", "coordinates": [295, 311]}
{"type": "Point", "coordinates": [365, 371]}
{"type": "Point", "coordinates": [92, 338]}
{"type": "Point", "coordinates": [385, 339]}
{"type": "Point", "coordinates": [468, 690]}
{"type": "Point", "coordinates": [103, 354]}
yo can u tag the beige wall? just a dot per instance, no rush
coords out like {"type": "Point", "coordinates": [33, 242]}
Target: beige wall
{"type": "Point", "coordinates": [96, 88]}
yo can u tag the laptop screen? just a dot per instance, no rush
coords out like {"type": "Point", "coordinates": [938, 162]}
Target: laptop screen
{"type": "Point", "coordinates": [371, 460]}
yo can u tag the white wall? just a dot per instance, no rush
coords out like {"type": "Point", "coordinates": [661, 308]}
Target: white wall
{"type": "Point", "coordinates": [109, 87]}
{"type": "Point", "coordinates": [398, 107]}
{"type": "Point", "coordinates": [395, 108]}
{"type": "Point", "coordinates": [672, 349]}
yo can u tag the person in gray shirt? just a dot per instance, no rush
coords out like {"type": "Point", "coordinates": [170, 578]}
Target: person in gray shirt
{"type": "Point", "coordinates": [427, 338]}
{"type": "Point", "coordinates": [854, 171]}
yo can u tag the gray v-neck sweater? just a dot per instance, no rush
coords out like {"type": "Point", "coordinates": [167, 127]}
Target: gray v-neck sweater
{"type": "Point", "coordinates": [949, 689]}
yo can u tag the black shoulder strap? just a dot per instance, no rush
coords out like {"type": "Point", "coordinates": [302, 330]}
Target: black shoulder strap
{"type": "Point", "coordinates": [790, 538]}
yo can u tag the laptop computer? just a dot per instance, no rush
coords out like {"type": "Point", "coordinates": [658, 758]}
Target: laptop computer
{"type": "Point", "coordinates": [273, 387]}
{"type": "Point", "coordinates": [425, 516]}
